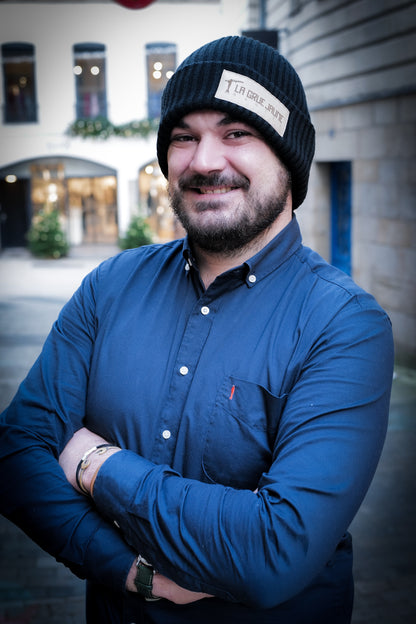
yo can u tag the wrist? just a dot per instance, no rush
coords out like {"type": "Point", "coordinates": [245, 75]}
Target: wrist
{"type": "Point", "coordinates": [143, 580]}
{"type": "Point", "coordinates": [130, 586]}
{"type": "Point", "coordinates": [90, 464]}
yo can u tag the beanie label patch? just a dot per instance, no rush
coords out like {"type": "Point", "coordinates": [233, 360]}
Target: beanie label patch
{"type": "Point", "coordinates": [251, 95]}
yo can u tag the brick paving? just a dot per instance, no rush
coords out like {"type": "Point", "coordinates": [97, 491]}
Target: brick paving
{"type": "Point", "coordinates": [34, 589]}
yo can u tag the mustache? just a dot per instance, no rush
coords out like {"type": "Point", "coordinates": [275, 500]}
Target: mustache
{"type": "Point", "coordinates": [214, 179]}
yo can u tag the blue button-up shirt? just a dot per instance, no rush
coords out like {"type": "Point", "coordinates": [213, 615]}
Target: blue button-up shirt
{"type": "Point", "coordinates": [251, 416]}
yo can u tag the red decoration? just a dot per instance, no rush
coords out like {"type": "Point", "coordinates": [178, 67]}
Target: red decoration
{"type": "Point", "coordinates": [134, 4]}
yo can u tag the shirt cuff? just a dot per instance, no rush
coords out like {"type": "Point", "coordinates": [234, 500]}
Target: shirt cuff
{"type": "Point", "coordinates": [117, 482]}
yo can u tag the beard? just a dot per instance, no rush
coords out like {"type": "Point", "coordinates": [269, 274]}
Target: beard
{"type": "Point", "coordinates": [253, 217]}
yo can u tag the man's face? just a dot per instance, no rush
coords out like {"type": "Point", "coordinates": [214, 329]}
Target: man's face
{"type": "Point", "coordinates": [226, 185]}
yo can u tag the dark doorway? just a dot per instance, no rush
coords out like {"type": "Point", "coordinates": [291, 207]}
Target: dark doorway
{"type": "Point", "coordinates": [341, 215]}
{"type": "Point", "coordinates": [14, 202]}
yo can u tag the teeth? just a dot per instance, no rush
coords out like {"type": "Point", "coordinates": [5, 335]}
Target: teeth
{"type": "Point", "coordinates": [216, 191]}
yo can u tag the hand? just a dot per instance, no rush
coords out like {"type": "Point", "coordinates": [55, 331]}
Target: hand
{"type": "Point", "coordinates": [78, 445]}
{"type": "Point", "coordinates": [167, 589]}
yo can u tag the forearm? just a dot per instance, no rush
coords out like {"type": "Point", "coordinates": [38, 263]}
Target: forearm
{"type": "Point", "coordinates": [207, 538]}
{"type": "Point", "coordinates": [258, 548]}
{"type": "Point", "coordinates": [37, 497]}
{"type": "Point", "coordinates": [165, 588]}
{"type": "Point", "coordinates": [81, 474]}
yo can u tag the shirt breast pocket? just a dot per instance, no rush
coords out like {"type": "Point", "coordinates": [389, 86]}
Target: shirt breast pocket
{"type": "Point", "coordinates": [241, 434]}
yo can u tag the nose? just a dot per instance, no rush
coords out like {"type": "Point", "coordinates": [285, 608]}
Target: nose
{"type": "Point", "coordinates": [208, 156]}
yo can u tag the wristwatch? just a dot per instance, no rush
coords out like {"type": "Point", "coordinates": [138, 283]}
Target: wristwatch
{"type": "Point", "coordinates": [144, 578]}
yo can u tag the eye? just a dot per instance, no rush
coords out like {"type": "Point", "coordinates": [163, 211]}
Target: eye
{"type": "Point", "coordinates": [237, 134]}
{"type": "Point", "coordinates": [240, 134]}
{"type": "Point", "coordinates": [181, 138]}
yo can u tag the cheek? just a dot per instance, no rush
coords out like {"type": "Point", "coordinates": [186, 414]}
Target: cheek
{"type": "Point", "coordinates": [269, 172]}
{"type": "Point", "coordinates": [178, 162]}
{"type": "Point", "coordinates": [257, 165]}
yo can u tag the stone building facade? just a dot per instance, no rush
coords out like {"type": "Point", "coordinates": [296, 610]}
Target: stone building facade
{"type": "Point", "coordinates": [80, 86]}
{"type": "Point", "coordinates": [357, 60]}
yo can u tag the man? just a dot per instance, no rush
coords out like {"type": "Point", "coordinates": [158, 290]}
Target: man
{"type": "Point", "coordinates": [218, 404]}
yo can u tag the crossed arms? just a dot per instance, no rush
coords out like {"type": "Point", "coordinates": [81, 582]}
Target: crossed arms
{"type": "Point", "coordinates": [201, 535]}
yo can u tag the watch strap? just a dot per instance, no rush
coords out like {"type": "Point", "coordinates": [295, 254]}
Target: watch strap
{"type": "Point", "coordinates": [144, 578]}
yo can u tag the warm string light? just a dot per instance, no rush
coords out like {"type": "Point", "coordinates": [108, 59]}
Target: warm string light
{"type": "Point", "coordinates": [94, 70]}
{"type": "Point", "coordinates": [157, 71]}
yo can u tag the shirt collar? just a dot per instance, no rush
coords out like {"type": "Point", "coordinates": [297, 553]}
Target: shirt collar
{"type": "Point", "coordinates": [280, 248]}
{"type": "Point", "coordinates": [275, 253]}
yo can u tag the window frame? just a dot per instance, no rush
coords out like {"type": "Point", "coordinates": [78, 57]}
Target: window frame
{"type": "Point", "coordinates": [19, 83]}
{"type": "Point", "coordinates": [90, 87]}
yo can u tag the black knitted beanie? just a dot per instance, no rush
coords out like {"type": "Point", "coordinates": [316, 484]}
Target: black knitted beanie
{"type": "Point", "coordinates": [252, 82]}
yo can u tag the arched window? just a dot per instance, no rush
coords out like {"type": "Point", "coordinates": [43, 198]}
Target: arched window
{"type": "Point", "coordinates": [19, 82]}
{"type": "Point", "coordinates": [161, 63]}
{"type": "Point", "coordinates": [90, 80]}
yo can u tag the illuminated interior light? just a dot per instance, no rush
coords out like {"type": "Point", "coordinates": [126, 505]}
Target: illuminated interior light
{"type": "Point", "coordinates": [158, 65]}
{"type": "Point", "coordinates": [52, 192]}
{"type": "Point", "coordinates": [77, 70]}
{"type": "Point", "coordinates": [95, 70]}
{"type": "Point", "coordinates": [157, 75]}
{"type": "Point", "coordinates": [149, 169]}
{"type": "Point", "coordinates": [11, 178]}
{"type": "Point", "coordinates": [169, 74]}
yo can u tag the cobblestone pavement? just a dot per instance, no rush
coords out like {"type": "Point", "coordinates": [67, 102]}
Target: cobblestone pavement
{"type": "Point", "coordinates": [34, 589]}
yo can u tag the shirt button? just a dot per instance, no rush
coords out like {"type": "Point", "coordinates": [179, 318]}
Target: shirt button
{"type": "Point", "coordinates": [166, 434]}
{"type": "Point", "coordinates": [205, 310]}
{"type": "Point", "coordinates": [184, 370]}
{"type": "Point", "coordinates": [252, 278]}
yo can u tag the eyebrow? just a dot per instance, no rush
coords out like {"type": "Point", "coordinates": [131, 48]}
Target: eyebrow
{"type": "Point", "coordinates": [225, 121]}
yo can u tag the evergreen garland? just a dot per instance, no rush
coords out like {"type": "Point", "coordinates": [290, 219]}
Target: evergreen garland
{"type": "Point", "coordinates": [102, 128]}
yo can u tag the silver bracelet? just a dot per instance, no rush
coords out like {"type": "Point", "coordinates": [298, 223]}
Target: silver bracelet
{"type": "Point", "coordinates": [86, 461]}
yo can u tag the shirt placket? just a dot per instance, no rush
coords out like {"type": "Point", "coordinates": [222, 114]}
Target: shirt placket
{"type": "Point", "coordinates": [189, 353]}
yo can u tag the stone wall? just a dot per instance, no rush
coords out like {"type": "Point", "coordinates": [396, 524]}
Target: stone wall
{"type": "Point", "coordinates": [357, 61]}
{"type": "Point", "coordinates": [378, 137]}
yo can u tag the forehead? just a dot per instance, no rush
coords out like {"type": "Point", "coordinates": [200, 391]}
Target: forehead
{"type": "Point", "coordinates": [208, 117]}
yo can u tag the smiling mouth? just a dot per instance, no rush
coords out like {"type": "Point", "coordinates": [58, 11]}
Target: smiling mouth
{"type": "Point", "coordinates": [214, 191]}
{"type": "Point", "coordinates": [214, 184]}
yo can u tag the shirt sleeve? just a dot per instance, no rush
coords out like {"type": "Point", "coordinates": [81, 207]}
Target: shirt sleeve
{"type": "Point", "coordinates": [263, 548]}
{"type": "Point", "coordinates": [48, 408]}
